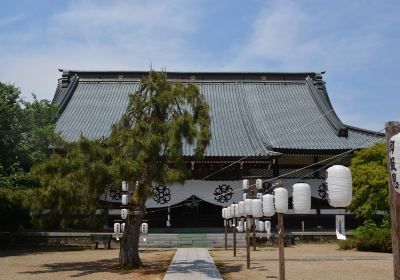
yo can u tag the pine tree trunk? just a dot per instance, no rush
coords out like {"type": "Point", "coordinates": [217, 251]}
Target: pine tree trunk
{"type": "Point", "coordinates": [129, 247]}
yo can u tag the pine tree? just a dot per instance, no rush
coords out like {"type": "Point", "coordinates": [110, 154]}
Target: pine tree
{"type": "Point", "coordinates": [162, 118]}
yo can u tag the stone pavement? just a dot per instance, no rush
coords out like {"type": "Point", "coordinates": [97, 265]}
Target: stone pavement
{"type": "Point", "coordinates": [192, 264]}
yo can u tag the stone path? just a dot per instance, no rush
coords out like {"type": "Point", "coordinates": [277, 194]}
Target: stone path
{"type": "Point", "coordinates": [192, 264]}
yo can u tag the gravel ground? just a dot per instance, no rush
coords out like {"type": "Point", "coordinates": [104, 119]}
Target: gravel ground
{"type": "Point", "coordinates": [306, 261]}
{"type": "Point", "coordinates": [82, 264]}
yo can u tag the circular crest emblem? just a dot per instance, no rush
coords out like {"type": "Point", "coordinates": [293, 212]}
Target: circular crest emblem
{"type": "Point", "coordinates": [161, 194]}
{"type": "Point", "coordinates": [223, 193]}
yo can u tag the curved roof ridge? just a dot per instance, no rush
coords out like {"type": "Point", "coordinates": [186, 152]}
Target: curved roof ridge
{"type": "Point", "coordinates": [324, 105]}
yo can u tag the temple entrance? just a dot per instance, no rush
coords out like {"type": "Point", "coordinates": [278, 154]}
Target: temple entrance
{"type": "Point", "coordinates": [191, 213]}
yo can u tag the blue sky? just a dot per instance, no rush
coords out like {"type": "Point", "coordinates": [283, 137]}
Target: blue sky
{"type": "Point", "coordinates": [356, 42]}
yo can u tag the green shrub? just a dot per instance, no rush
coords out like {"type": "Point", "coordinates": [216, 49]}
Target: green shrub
{"type": "Point", "coordinates": [14, 208]}
{"type": "Point", "coordinates": [347, 244]}
{"type": "Point", "coordinates": [372, 237]}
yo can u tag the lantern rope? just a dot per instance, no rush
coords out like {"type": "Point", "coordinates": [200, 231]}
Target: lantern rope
{"type": "Point", "coordinates": [338, 157]}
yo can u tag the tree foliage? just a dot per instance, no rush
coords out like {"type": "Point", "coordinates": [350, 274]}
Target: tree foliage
{"type": "Point", "coordinates": [26, 135]}
{"type": "Point", "coordinates": [71, 185]}
{"type": "Point", "coordinates": [370, 185]}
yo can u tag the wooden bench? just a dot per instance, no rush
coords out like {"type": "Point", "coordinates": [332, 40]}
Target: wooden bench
{"type": "Point", "coordinates": [101, 238]}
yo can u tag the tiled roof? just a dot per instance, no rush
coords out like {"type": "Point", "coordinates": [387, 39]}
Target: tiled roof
{"type": "Point", "coordinates": [248, 117]}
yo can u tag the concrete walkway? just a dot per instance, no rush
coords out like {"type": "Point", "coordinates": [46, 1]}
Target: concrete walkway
{"type": "Point", "coordinates": [192, 264]}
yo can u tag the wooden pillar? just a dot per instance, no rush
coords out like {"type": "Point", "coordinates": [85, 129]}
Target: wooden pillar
{"type": "Point", "coordinates": [234, 237]}
{"type": "Point", "coordinates": [254, 234]}
{"type": "Point", "coordinates": [281, 247]}
{"type": "Point", "coordinates": [248, 242]}
{"type": "Point", "coordinates": [226, 236]}
{"type": "Point", "coordinates": [391, 129]}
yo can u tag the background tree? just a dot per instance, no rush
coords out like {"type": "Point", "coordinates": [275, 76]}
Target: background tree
{"type": "Point", "coordinates": [370, 184]}
{"type": "Point", "coordinates": [72, 181]}
{"type": "Point", "coordinates": [27, 137]}
{"type": "Point", "coordinates": [162, 117]}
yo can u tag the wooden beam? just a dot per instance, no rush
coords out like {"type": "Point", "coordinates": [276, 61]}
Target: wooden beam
{"type": "Point", "coordinates": [392, 128]}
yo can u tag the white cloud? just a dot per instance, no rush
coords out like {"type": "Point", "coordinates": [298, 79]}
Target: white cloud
{"type": "Point", "coordinates": [93, 35]}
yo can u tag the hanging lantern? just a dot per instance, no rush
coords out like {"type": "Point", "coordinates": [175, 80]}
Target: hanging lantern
{"type": "Point", "coordinates": [124, 186]}
{"type": "Point", "coordinates": [281, 200]}
{"type": "Point", "coordinates": [223, 213]}
{"type": "Point", "coordinates": [268, 205]}
{"type": "Point", "coordinates": [232, 215]}
{"type": "Point", "coordinates": [394, 161]}
{"type": "Point", "coordinates": [247, 206]}
{"type": "Point", "coordinates": [117, 228]}
{"type": "Point", "coordinates": [124, 199]}
{"type": "Point", "coordinates": [236, 210]}
{"type": "Point", "coordinates": [268, 228]}
{"type": "Point", "coordinates": [240, 226]}
{"type": "Point", "coordinates": [244, 196]}
{"type": "Point", "coordinates": [122, 227]}
{"type": "Point", "coordinates": [261, 226]}
{"type": "Point", "coordinates": [245, 184]}
{"type": "Point", "coordinates": [301, 198]}
{"type": "Point", "coordinates": [338, 179]}
{"type": "Point", "coordinates": [256, 208]}
{"type": "Point", "coordinates": [259, 184]}
{"type": "Point", "coordinates": [257, 224]}
{"type": "Point", "coordinates": [124, 213]}
{"type": "Point", "coordinates": [241, 209]}
{"type": "Point", "coordinates": [228, 212]}
{"type": "Point", "coordinates": [144, 228]}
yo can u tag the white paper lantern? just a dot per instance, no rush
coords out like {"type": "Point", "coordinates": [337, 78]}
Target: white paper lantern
{"type": "Point", "coordinates": [257, 224]}
{"type": "Point", "coordinates": [144, 228]}
{"type": "Point", "coordinates": [247, 207]}
{"type": "Point", "coordinates": [301, 198]}
{"type": "Point", "coordinates": [232, 208]}
{"type": "Point", "coordinates": [117, 228]}
{"type": "Point", "coordinates": [261, 226]}
{"type": "Point", "coordinates": [122, 227]}
{"type": "Point", "coordinates": [228, 212]}
{"type": "Point", "coordinates": [245, 184]}
{"type": "Point", "coordinates": [244, 196]}
{"type": "Point", "coordinates": [124, 213]}
{"type": "Point", "coordinates": [124, 186]}
{"type": "Point", "coordinates": [124, 199]}
{"type": "Point", "coordinates": [268, 205]}
{"type": "Point", "coordinates": [268, 228]}
{"type": "Point", "coordinates": [242, 213]}
{"type": "Point", "coordinates": [281, 200]}
{"type": "Point", "coordinates": [240, 226]}
{"type": "Point", "coordinates": [256, 208]}
{"type": "Point", "coordinates": [236, 210]}
{"type": "Point", "coordinates": [259, 184]}
{"type": "Point", "coordinates": [394, 161]}
{"type": "Point", "coordinates": [339, 186]}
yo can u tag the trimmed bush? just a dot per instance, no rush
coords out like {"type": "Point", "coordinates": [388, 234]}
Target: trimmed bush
{"type": "Point", "coordinates": [370, 237]}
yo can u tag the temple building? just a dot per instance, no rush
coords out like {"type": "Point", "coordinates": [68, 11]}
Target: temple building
{"type": "Point", "coordinates": [263, 125]}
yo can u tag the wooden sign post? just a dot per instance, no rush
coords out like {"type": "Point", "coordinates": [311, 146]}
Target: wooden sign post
{"type": "Point", "coordinates": [281, 229]}
{"type": "Point", "coordinates": [392, 128]}
{"type": "Point", "coordinates": [226, 236]}
{"type": "Point", "coordinates": [234, 236]}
